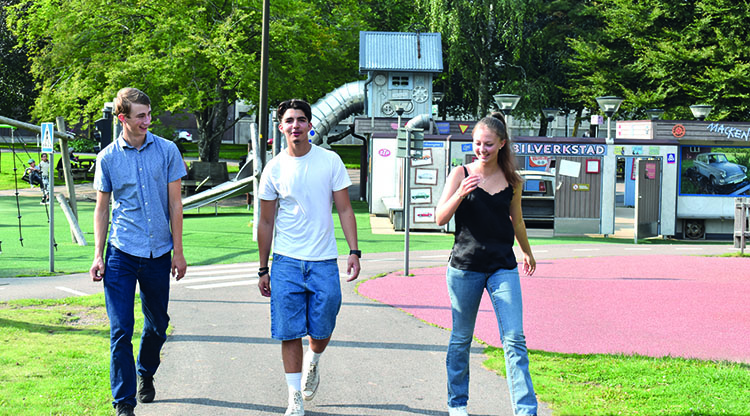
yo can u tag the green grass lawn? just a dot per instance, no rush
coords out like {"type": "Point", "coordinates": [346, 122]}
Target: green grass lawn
{"type": "Point", "coordinates": [598, 384]}
{"type": "Point", "coordinates": [54, 356]}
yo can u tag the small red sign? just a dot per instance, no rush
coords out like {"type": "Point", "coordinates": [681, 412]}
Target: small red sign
{"type": "Point", "coordinates": [678, 130]}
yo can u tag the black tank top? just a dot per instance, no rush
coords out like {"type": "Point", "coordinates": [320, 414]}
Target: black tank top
{"type": "Point", "coordinates": [484, 232]}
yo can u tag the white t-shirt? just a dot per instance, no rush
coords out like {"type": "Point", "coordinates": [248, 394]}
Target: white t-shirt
{"type": "Point", "coordinates": [44, 167]}
{"type": "Point", "coordinates": [304, 188]}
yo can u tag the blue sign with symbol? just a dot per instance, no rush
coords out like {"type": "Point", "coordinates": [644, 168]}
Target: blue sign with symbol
{"type": "Point", "coordinates": [466, 147]}
{"type": "Point", "coordinates": [48, 130]}
{"type": "Point", "coordinates": [671, 158]}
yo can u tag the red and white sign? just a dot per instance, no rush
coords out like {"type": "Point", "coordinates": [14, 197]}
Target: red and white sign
{"type": "Point", "coordinates": [538, 161]}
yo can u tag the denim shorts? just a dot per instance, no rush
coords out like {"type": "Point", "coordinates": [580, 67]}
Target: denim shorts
{"type": "Point", "coordinates": [305, 298]}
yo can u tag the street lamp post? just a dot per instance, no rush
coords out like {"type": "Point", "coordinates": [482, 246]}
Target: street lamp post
{"type": "Point", "coordinates": [399, 106]}
{"type": "Point", "coordinates": [609, 105]}
{"type": "Point", "coordinates": [437, 97]}
{"type": "Point", "coordinates": [506, 103]}
{"type": "Point", "coordinates": [700, 111]}
{"type": "Point", "coordinates": [549, 114]}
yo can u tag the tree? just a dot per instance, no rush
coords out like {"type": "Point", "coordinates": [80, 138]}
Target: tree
{"type": "Point", "coordinates": [16, 84]}
{"type": "Point", "coordinates": [667, 54]}
{"type": "Point", "coordinates": [188, 55]}
{"type": "Point", "coordinates": [482, 41]}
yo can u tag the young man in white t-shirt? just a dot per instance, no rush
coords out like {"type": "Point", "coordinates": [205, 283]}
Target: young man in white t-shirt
{"type": "Point", "coordinates": [297, 189]}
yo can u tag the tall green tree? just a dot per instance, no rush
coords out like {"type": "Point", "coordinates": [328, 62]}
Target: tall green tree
{"type": "Point", "coordinates": [667, 54]}
{"type": "Point", "coordinates": [482, 39]}
{"type": "Point", "coordinates": [16, 84]}
{"type": "Point", "coordinates": [188, 55]}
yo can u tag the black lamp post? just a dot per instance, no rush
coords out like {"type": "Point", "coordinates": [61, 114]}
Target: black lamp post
{"type": "Point", "coordinates": [549, 114]}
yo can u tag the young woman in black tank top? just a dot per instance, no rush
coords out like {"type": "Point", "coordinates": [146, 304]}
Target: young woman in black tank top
{"type": "Point", "coordinates": [485, 197]}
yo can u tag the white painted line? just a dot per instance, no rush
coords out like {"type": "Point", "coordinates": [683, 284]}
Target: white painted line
{"type": "Point", "coordinates": [637, 249]}
{"type": "Point", "coordinates": [379, 260]}
{"type": "Point", "coordinates": [223, 266]}
{"type": "Point", "coordinates": [69, 290]}
{"type": "Point", "coordinates": [586, 249]}
{"type": "Point", "coordinates": [220, 272]}
{"type": "Point", "coordinates": [186, 280]}
{"type": "Point", "coordinates": [541, 251]}
{"type": "Point", "coordinates": [441, 256]}
{"type": "Point", "coordinates": [225, 284]}
{"type": "Point", "coordinates": [689, 248]}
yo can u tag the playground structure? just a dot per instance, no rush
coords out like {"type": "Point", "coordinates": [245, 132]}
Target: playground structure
{"type": "Point", "coordinates": [68, 205]}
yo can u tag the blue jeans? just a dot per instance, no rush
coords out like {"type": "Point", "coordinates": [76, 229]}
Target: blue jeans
{"type": "Point", "coordinates": [504, 287]}
{"type": "Point", "coordinates": [121, 273]}
{"type": "Point", "coordinates": [305, 298]}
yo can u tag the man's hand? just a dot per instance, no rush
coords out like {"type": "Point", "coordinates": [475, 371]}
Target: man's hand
{"type": "Point", "coordinates": [352, 267]}
{"type": "Point", "coordinates": [97, 269]}
{"type": "Point", "coordinates": [264, 285]}
{"type": "Point", "coordinates": [179, 266]}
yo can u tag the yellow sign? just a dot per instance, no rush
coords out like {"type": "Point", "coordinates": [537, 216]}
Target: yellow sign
{"type": "Point", "coordinates": [581, 187]}
{"type": "Point", "coordinates": [463, 128]}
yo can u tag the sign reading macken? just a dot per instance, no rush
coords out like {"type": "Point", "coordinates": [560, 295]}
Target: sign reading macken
{"type": "Point", "coordinates": [560, 149]}
{"type": "Point", "coordinates": [729, 131]}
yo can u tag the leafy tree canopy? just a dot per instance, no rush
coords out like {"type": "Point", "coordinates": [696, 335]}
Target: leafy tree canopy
{"type": "Point", "coordinates": [666, 54]}
{"type": "Point", "coordinates": [188, 55]}
{"type": "Point", "coordinates": [16, 84]}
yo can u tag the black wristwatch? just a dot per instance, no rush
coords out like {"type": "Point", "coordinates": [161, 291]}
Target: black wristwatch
{"type": "Point", "coordinates": [357, 253]}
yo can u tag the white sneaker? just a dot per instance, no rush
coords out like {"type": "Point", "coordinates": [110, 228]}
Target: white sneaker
{"type": "Point", "coordinates": [295, 405]}
{"type": "Point", "coordinates": [310, 379]}
{"type": "Point", "coordinates": [457, 411]}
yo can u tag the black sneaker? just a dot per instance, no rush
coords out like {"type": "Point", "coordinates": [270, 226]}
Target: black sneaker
{"type": "Point", "coordinates": [146, 391]}
{"type": "Point", "coordinates": [124, 409]}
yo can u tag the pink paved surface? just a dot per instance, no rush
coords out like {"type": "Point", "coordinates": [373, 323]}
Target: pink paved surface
{"type": "Point", "coordinates": [685, 306]}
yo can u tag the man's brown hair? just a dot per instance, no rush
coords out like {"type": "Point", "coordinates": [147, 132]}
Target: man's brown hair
{"type": "Point", "coordinates": [126, 97]}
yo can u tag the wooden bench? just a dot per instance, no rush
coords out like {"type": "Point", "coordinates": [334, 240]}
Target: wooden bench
{"type": "Point", "coordinates": [83, 169]}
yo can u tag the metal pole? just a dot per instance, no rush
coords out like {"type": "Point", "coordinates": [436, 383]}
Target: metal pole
{"type": "Point", "coordinates": [51, 204]}
{"type": "Point", "coordinates": [407, 197]}
{"type": "Point", "coordinates": [263, 101]}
